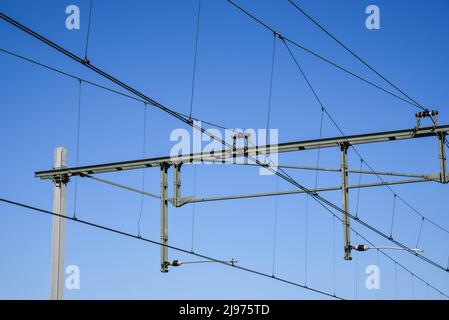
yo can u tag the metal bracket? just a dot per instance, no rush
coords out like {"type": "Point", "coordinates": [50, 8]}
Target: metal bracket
{"type": "Point", "coordinates": [180, 201]}
{"type": "Point", "coordinates": [176, 183]}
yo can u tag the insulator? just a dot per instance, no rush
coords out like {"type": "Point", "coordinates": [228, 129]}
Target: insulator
{"type": "Point", "coordinates": [176, 263]}
{"type": "Point", "coordinates": [426, 113]}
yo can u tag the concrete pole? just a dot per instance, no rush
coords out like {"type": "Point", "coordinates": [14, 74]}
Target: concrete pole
{"type": "Point", "coordinates": [58, 228]}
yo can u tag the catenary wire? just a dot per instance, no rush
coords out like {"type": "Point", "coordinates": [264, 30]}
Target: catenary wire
{"type": "Point", "coordinates": [78, 125]}
{"type": "Point", "coordinates": [356, 150]}
{"type": "Point", "coordinates": [275, 227]}
{"type": "Point", "coordinates": [26, 206]}
{"type": "Point", "coordinates": [410, 101]}
{"type": "Point", "coordinates": [97, 85]}
{"type": "Point", "coordinates": [144, 152]}
{"type": "Point", "coordinates": [334, 64]}
{"type": "Point", "coordinates": [89, 22]}
{"type": "Point", "coordinates": [356, 55]}
{"type": "Point", "coordinates": [270, 91]}
{"type": "Point", "coordinates": [126, 234]}
{"type": "Point", "coordinates": [192, 94]}
{"type": "Point", "coordinates": [281, 173]}
{"type": "Point", "coordinates": [192, 97]}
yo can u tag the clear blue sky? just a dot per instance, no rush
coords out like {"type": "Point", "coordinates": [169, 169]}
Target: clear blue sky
{"type": "Point", "coordinates": [150, 45]}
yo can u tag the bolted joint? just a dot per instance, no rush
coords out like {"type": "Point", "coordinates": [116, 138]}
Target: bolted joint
{"type": "Point", "coordinates": [348, 249]}
{"type": "Point", "coordinates": [164, 165]}
{"type": "Point", "coordinates": [164, 266]}
{"type": "Point", "coordinates": [61, 179]}
{"type": "Point", "coordinates": [344, 146]}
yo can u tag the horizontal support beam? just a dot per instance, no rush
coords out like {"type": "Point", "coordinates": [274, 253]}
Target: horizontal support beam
{"type": "Point", "coordinates": [228, 154]}
{"type": "Point", "coordinates": [290, 192]}
{"type": "Point", "coordinates": [115, 184]}
{"type": "Point", "coordinates": [430, 177]}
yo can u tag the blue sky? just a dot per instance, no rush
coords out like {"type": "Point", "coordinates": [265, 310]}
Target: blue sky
{"type": "Point", "coordinates": [150, 45]}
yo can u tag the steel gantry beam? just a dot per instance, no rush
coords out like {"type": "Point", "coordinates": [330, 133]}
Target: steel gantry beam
{"type": "Point", "coordinates": [239, 152]}
{"type": "Point", "coordinates": [220, 156]}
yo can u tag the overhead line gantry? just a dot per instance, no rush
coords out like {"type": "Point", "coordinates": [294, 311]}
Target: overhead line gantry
{"type": "Point", "coordinates": [61, 175]}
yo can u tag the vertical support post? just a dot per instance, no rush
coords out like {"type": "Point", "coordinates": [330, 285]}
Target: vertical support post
{"type": "Point", "coordinates": [345, 198]}
{"type": "Point", "coordinates": [246, 146]}
{"type": "Point", "coordinates": [164, 217]}
{"type": "Point", "coordinates": [58, 227]}
{"type": "Point", "coordinates": [177, 184]}
{"type": "Point", "coordinates": [442, 157]}
{"type": "Point", "coordinates": [234, 147]}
